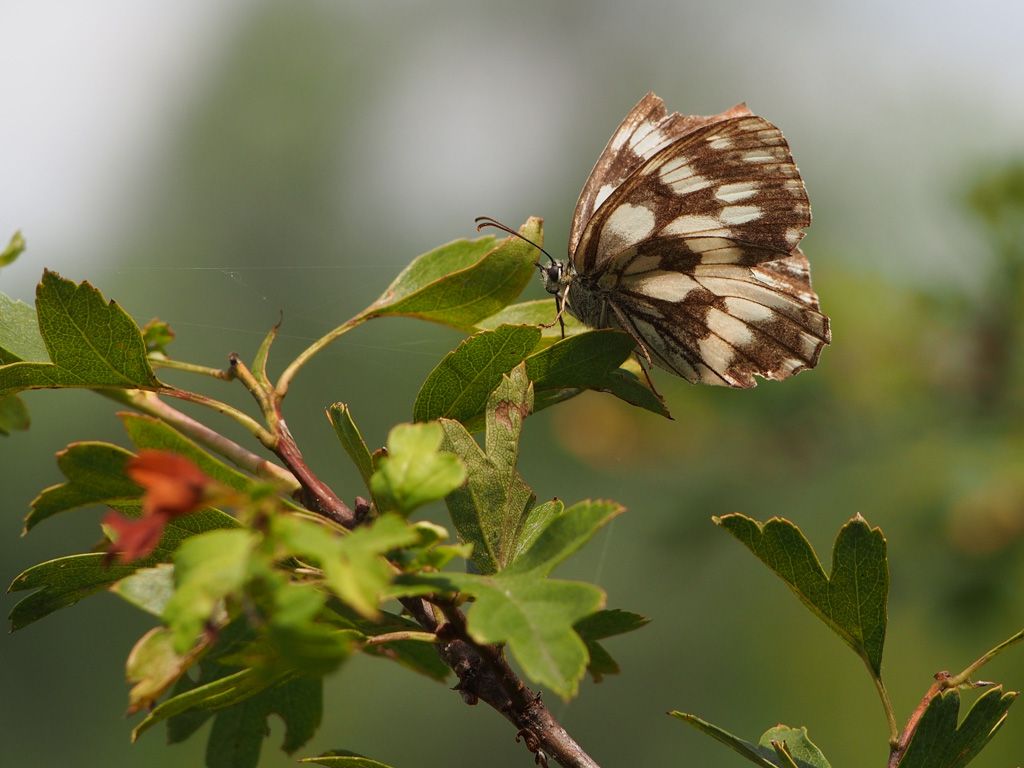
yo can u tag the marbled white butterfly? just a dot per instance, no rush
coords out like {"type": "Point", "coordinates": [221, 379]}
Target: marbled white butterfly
{"type": "Point", "coordinates": [686, 237]}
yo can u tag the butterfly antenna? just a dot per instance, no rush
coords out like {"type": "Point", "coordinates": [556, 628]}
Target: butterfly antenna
{"type": "Point", "coordinates": [487, 221]}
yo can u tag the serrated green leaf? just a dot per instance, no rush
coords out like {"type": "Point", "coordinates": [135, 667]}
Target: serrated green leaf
{"type": "Point", "coordinates": [415, 471]}
{"type": "Point", "coordinates": [207, 568]}
{"type": "Point", "coordinates": [20, 339]}
{"type": "Point", "coordinates": [535, 521]}
{"type": "Point", "coordinates": [15, 247]}
{"type": "Point", "coordinates": [601, 625]}
{"type": "Point", "coordinates": [340, 758]}
{"type": "Point", "coordinates": [459, 386]}
{"type": "Point", "coordinates": [95, 474]}
{"type": "Point", "coordinates": [90, 343]}
{"type": "Point", "coordinates": [351, 440]}
{"type": "Point", "coordinates": [489, 510]}
{"type": "Point", "coordinates": [938, 742]}
{"type": "Point", "coordinates": [564, 535]}
{"type": "Point", "coordinates": [13, 415]}
{"type": "Point", "coordinates": [798, 745]}
{"type": "Point", "coordinates": [66, 580]}
{"type": "Point", "coordinates": [462, 282]}
{"type": "Point", "coordinates": [147, 588]}
{"type": "Point", "coordinates": [584, 360]}
{"type": "Point", "coordinates": [852, 600]}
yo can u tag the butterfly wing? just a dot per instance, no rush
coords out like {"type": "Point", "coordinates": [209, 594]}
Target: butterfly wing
{"type": "Point", "coordinates": [647, 128]}
{"type": "Point", "coordinates": [722, 323]}
{"type": "Point", "coordinates": [696, 255]}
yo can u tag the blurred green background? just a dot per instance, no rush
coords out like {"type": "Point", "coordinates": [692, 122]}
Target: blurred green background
{"type": "Point", "coordinates": [216, 163]}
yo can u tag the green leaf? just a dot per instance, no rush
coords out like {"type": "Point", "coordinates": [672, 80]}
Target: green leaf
{"type": "Point", "coordinates": [154, 666]}
{"type": "Point", "coordinates": [340, 758]}
{"type": "Point", "coordinates": [852, 600]}
{"type": "Point", "coordinates": [353, 565]}
{"type": "Point", "coordinates": [259, 362]}
{"type": "Point", "coordinates": [462, 282]}
{"type": "Point", "coordinates": [415, 471]}
{"type": "Point", "coordinates": [601, 625]}
{"type": "Point", "coordinates": [938, 742]}
{"type": "Point", "coordinates": [13, 415]}
{"type": "Point", "coordinates": [540, 313]}
{"type": "Point", "coordinates": [95, 474]}
{"type": "Point", "coordinates": [90, 343]}
{"type": "Point", "coordinates": [66, 580]}
{"type": "Point", "coordinates": [207, 568]}
{"type": "Point", "coordinates": [19, 333]}
{"type": "Point", "coordinates": [351, 440]}
{"type": "Point", "coordinates": [157, 335]}
{"type": "Point", "coordinates": [626, 386]}
{"type": "Point", "coordinates": [489, 511]}
{"type": "Point", "coordinates": [459, 386]}
{"type": "Point", "coordinates": [14, 249]}
{"type": "Point", "coordinates": [564, 535]}
{"type": "Point", "coordinates": [148, 433]}
{"type": "Point", "coordinates": [584, 360]}
{"type": "Point", "coordinates": [534, 616]}
{"type": "Point", "coordinates": [535, 521]}
{"type": "Point", "coordinates": [147, 588]}
{"type": "Point", "coordinates": [797, 745]}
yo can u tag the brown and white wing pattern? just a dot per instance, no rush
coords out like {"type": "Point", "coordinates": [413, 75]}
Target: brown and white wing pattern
{"type": "Point", "coordinates": [728, 192]}
{"type": "Point", "coordinates": [647, 128]}
{"type": "Point", "coordinates": [720, 324]}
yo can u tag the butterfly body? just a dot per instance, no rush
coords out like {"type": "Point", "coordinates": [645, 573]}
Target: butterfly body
{"type": "Point", "coordinates": [686, 237]}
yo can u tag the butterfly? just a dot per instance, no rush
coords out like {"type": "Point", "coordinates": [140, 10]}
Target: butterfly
{"type": "Point", "coordinates": [686, 236]}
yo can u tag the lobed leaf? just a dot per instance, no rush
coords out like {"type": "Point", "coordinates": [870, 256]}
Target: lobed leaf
{"type": "Point", "coordinates": [415, 471]}
{"type": "Point", "coordinates": [601, 625]}
{"type": "Point", "coordinates": [778, 747]}
{"type": "Point", "coordinates": [89, 342]}
{"type": "Point", "coordinates": [564, 535]}
{"type": "Point", "coordinates": [462, 282]}
{"type": "Point", "coordinates": [852, 600]}
{"type": "Point", "coordinates": [938, 742]}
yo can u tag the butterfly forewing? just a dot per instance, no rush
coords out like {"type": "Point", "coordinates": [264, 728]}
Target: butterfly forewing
{"type": "Point", "coordinates": [647, 128]}
{"type": "Point", "coordinates": [692, 248]}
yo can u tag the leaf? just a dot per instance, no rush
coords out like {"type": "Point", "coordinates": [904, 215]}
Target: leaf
{"type": "Point", "coordinates": [19, 333]}
{"type": "Point", "coordinates": [627, 387]}
{"type": "Point", "coordinates": [157, 335]}
{"type": "Point", "coordinates": [415, 471]}
{"type": "Point", "coordinates": [90, 343]}
{"type": "Point", "coordinates": [601, 625]}
{"type": "Point", "coordinates": [154, 666]}
{"type": "Point", "coordinates": [351, 440]}
{"type": "Point", "coordinates": [535, 521]}
{"type": "Point", "coordinates": [207, 568]}
{"type": "Point", "coordinates": [14, 249]}
{"type": "Point", "coordinates": [259, 362]}
{"type": "Point", "coordinates": [13, 415]}
{"type": "Point", "coordinates": [459, 386]}
{"type": "Point", "coordinates": [540, 313]}
{"type": "Point", "coordinates": [852, 600]}
{"type": "Point", "coordinates": [340, 758]}
{"type": "Point", "coordinates": [938, 742]}
{"type": "Point", "coordinates": [533, 614]}
{"type": "Point", "coordinates": [803, 752]}
{"type": "Point", "coordinates": [95, 474]}
{"type": "Point", "coordinates": [295, 637]}
{"type": "Point", "coordinates": [490, 509]}
{"type": "Point", "coordinates": [462, 282]}
{"type": "Point", "coordinates": [564, 535]}
{"type": "Point", "coordinates": [147, 588]}
{"type": "Point", "coordinates": [353, 565]}
{"type": "Point", "coordinates": [584, 360]}
{"type": "Point", "coordinates": [66, 580]}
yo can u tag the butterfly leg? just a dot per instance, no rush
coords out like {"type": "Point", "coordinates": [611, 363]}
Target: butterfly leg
{"type": "Point", "coordinates": [561, 301]}
{"type": "Point", "coordinates": [641, 352]}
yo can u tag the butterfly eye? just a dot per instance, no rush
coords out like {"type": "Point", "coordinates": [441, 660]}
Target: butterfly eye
{"type": "Point", "coordinates": [552, 277]}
